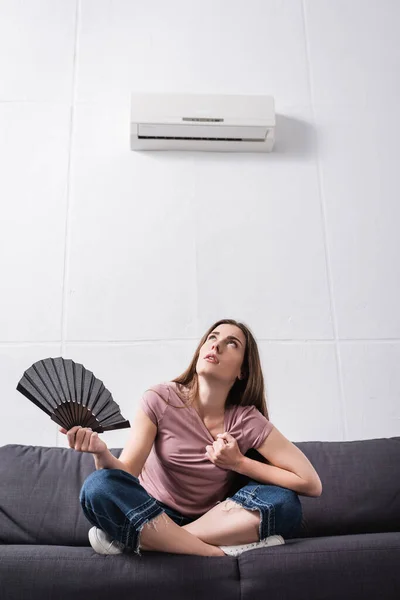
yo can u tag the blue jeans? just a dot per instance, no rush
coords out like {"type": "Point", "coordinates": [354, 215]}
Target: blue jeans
{"type": "Point", "coordinates": [115, 501]}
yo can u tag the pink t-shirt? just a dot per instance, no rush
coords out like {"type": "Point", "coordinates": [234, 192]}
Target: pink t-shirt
{"type": "Point", "coordinates": [177, 471]}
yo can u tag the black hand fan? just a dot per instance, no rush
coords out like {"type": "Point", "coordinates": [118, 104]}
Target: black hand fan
{"type": "Point", "coordinates": [71, 395]}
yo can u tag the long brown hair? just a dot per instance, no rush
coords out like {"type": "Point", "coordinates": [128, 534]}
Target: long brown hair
{"type": "Point", "coordinates": [245, 392]}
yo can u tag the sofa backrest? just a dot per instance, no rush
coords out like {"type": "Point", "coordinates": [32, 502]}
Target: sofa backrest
{"type": "Point", "coordinates": [39, 495]}
{"type": "Point", "coordinates": [39, 491]}
{"type": "Point", "coordinates": [361, 487]}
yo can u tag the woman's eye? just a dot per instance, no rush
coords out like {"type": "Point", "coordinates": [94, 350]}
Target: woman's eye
{"type": "Point", "coordinates": [231, 341]}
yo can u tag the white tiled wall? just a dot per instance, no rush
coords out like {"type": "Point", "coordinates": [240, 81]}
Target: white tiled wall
{"type": "Point", "coordinates": [121, 260]}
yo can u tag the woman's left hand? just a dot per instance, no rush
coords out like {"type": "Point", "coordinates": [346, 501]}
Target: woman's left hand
{"type": "Point", "coordinates": [225, 452]}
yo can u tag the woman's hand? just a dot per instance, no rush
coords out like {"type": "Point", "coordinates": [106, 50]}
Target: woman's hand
{"type": "Point", "coordinates": [225, 452]}
{"type": "Point", "coordinates": [83, 439]}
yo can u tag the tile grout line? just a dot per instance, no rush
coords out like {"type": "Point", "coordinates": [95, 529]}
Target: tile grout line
{"type": "Point", "coordinates": [339, 368]}
{"type": "Point", "coordinates": [137, 342]}
{"type": "Point", "coordinates": [195, 240]}
{"type": "Point", "coordinates": [64, 303]}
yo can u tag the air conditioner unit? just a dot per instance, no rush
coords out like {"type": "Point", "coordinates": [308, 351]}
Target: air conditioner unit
{"type": "Point", "coordinates": [224, 123]}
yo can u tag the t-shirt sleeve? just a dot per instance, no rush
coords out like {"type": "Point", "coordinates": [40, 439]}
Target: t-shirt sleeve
{"type": "Point", "coordinates": [154, 402]}
{"type": "Point", "coordinates": [256, 427]}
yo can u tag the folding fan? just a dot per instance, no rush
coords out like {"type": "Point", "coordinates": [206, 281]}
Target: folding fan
{"type": "Point", "coordinates": [71, 395]}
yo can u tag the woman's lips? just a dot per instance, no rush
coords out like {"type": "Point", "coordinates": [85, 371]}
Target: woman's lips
{"type": "Point", "coordinates": [211, 361]}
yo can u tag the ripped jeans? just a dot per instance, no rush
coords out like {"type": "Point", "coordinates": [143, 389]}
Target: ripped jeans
{"type": "Point", "coordinates": [115, 501]}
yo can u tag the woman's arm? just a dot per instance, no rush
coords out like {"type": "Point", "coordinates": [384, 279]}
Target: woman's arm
{"type": "Point", "coordinates": [106, 460]}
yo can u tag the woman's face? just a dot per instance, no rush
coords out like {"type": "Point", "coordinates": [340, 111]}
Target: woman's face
{"type": "Point", "coordinates": [228, 344]}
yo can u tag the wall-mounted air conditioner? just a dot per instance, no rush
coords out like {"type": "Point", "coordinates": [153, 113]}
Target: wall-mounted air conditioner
{"type": "Point", "coordinates": [207, 122]}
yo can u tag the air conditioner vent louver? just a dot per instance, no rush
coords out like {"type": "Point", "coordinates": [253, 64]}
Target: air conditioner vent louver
{"type": "Point", "coordinates": [219, 139]}
{"type": "Point", "coordinates": [202, 119]}
{"type": "Point", "coordinates": [226, 123]}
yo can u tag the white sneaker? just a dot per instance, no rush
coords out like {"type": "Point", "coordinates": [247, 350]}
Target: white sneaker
{"type": "Point", "coordinates": [102, 543]}
{"type": "Point", "coordinates": [272, 540]}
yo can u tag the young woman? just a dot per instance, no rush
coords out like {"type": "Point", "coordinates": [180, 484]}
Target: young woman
{"type": "Point", "coordinates": [168, 489]}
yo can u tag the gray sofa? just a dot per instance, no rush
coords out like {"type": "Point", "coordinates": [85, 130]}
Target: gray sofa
{"type": "Point", "coordinates": [348, 546]}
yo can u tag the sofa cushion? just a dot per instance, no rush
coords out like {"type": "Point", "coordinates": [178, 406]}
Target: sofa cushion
{"type": "Point", "coordinates": [67, 573]}
{"type": "Point", "coordinates": [39, 495]}
{"type": "Point", "coordinates": [361, 487]}
{"type": "Point", "coordinates": [363, 566]}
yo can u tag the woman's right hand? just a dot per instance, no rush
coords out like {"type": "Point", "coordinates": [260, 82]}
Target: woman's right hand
{"type": "Point", "coordinates": [83, 439]}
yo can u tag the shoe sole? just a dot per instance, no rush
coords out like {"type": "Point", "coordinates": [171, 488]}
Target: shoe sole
{"type": "Point", "coordinates": [98, 546]}
{"type": "Point", "coordinates": [273, 540]}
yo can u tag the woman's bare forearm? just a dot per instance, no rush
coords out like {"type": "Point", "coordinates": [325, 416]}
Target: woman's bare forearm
{"type": "Point", "coordinates": [106, 460]}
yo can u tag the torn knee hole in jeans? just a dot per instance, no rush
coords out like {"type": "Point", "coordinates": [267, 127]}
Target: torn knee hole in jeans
{"type": "Point", "coordinates": [229, 504]}
{"type": "Point", "coordinates": [153, 524]}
